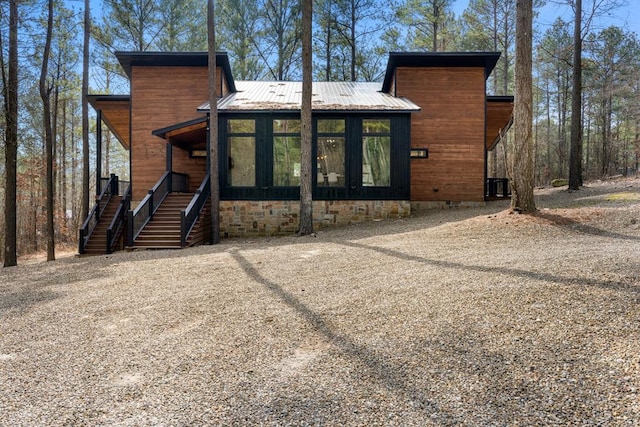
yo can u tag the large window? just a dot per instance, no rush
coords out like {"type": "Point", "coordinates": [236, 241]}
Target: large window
{"type": "Point", "coordinates": [331, 152]}
{"type": "Point", "coordinates": [359, 156]}
{"type": "Point", "coordinates": [286, 153]}
{"type": "Point", "coordinates": [241, 141]}
{"type": "Point", "coordinates": [376, 153]}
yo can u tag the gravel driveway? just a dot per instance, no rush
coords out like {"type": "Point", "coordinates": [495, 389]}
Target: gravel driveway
{"type": "Point", "coordinates": [453, 317]}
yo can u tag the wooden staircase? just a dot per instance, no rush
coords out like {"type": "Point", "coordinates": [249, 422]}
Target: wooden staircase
{"type": "Point", "coordinates": [97, 244]}
{"type": "Point", "coordinates": [163, 230]}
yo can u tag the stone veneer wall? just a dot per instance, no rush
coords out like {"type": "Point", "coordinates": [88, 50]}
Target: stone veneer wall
{"type": "Point", "coordinates": [418, 207]}
{"type": "Point", "coordinates": [269, 218]}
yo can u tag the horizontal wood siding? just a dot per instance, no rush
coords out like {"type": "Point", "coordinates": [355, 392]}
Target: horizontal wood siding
{"type": "Point", "coordinates": [451, 125]}
{"type": "Point", "coordinates": [161, 97]}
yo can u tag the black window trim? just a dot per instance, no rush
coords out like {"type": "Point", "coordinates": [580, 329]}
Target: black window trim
{"type": "Point", "coordinates": [353, 190]}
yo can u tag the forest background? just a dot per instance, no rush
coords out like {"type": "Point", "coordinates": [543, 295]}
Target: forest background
{"type": "Point", "coordinates": [351, 41]}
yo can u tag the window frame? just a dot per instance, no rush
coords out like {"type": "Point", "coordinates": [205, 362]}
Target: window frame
{"type": "Point", "coordinates": [264, 189]}
{"type": "Point", "coordinates": [270, 177]}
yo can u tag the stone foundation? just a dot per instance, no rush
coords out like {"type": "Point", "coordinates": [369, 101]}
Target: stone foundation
{"type": "Point", "coordinates": [270, 218]}
{"type": "Point", "coordinates": [417, 207]}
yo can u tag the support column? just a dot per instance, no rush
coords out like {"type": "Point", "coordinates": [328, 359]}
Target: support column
{"type": "Point", "coordinates": [170, 164]}
{"type": "Point", "coordinates": [98, 151]}
{"type": "Point", "coordinates": [208, 144]}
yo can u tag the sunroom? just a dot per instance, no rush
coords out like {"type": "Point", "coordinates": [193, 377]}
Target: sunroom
{"type": "Point", "coordinates": [361, 143]}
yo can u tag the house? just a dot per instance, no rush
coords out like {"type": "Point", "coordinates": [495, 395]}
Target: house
{"type": "Point", "coordinates": [420, 138]}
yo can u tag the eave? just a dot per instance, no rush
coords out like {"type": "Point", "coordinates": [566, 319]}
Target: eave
{"type": "Point", "coordinates": [499, 118]}
{"type": "Point", "coordinates": [191, 134]}
{"type": "Point", "coordinates": [175, 59]}
{"type": "Point", "coordinates": [486, 60]}
{"type": "Point", "coordinates": [115, 112]}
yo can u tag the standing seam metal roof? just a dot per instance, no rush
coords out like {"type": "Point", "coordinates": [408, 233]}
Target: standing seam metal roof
{"type": "Point", "coordinates": [327, 96]}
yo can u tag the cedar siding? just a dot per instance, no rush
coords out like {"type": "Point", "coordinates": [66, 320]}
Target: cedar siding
{"type": "Point", "coordinates": [451, 126]}
{"type": "Point", "coordinates": [162, 96]}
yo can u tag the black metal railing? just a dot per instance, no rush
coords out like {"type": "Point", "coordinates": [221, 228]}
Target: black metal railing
{"type": "Point", "coordinates": [117, 223]}
{"type": "Point", "coordinates": [120, 186]}
{"type": "Point", "coordinates": [169, 182]}
{"type": "Point", "coordinates": [104, 182]}
{"type": "Point", "coordinates": [498, 187]}
{"type": "Point", "coordinates": [109, 187]}
{"type": "Point", "coordinates": [191, 213]}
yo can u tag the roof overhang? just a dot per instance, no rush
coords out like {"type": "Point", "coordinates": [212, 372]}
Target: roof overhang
{"type": "Point", "coordinates": [174, 59]}
{"type": "Point", "coordinates": [499, 118]}
{"type": "Point", "coordinates": [486, 60]}
{"type": "Point", "coordinates": [115, 111]}
{"type": "Point", "coordinates": [191, 134]}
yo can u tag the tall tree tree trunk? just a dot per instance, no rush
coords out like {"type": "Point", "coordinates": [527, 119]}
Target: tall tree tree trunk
{"type": "Point", "coordinates": [306, 161]}
{"type": "Point", "coordinates": [11, 144]}
{"type": "Point", "coordinates": [522, 158]}
{"type": "Point", "coordinates": [328, 41]}
{"type": "Point", "coordinates": [575, 156]}
{"type": "Point", "coordinates": [352, 40]}
{"type": "Point", "coordinates": [213, 125]}
{"type": "Point", "coordinates": [85, 112]}
{"type": "Point", "coordinates": [63, 169]}
{"type": "Point", "coordinates": [74, 167]}
{"type": "Point", "coordinates": [45, 94]}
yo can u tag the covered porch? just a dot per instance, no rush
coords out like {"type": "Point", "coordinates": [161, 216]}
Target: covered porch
{"type": "Point", "coordinates": [499, 118]}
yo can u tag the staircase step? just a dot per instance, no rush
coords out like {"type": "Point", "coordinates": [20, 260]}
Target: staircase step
{"type": "Point", "coordinates": [163, 231]}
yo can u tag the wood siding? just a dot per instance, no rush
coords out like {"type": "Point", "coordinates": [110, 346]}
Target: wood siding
{"type": "Point", "coordinates": [452, 126]}
{"type": "Point", "coordinates": [161, 97]}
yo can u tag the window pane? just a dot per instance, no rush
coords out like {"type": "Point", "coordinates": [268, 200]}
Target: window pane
{"type": "Point", "coordinates": [376, 126]}
{"type": "Point", "coordinates": [241, 126]}
{"type": "Point", "coordinates": [331, 126]}
{"type": "Point", "coordinates": [286, 161]}
{"type": "Point", "coordinates": [286, 126]}
{"type": "Point", "coordinates": [242, 161]}
{"type": "Point", "coordinates": [331, 161]}
{"type": "Point", "coordinates": [376, 161]}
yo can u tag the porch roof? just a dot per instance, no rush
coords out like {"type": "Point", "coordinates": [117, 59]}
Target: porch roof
{"type": "Point", "coordinates": [115, 114]}
{"type": "Point", "coordinates": [260, 96]}
{"type": "Point", "coordinates": [190, 134]}
{"type": "Point", "coordinates": [499, 118]}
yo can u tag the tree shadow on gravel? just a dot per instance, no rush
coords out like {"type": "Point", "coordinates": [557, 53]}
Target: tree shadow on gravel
{"type": "Point", "coordinates": [384, 371]}
{"type": "Point", "coordinates": [631, 288]}
{"type": "Point", "coordinates": [572, 225]}
{"type": "Point", "coordinates": [17, 302]}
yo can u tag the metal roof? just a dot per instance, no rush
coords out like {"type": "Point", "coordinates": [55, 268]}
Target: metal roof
{"type": "Point", "coordinates": [327, 96]}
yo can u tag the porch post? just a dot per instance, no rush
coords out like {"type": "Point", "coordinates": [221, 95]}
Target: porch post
{"type": "Point", "coordinates": [170, 165]}
{"type": "Point", "coordinates": [98, 151]}
{"type": "Point", "coordinates": [208, 143]}
{"type": "Point", "coordinates": [169, 157]}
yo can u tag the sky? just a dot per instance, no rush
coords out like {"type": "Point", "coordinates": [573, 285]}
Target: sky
{"type": "Point", "coordinates": [626, 16]}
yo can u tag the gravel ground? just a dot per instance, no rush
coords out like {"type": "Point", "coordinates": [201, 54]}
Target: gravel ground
{"type": "Point", "coordinates": [454, 317]}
